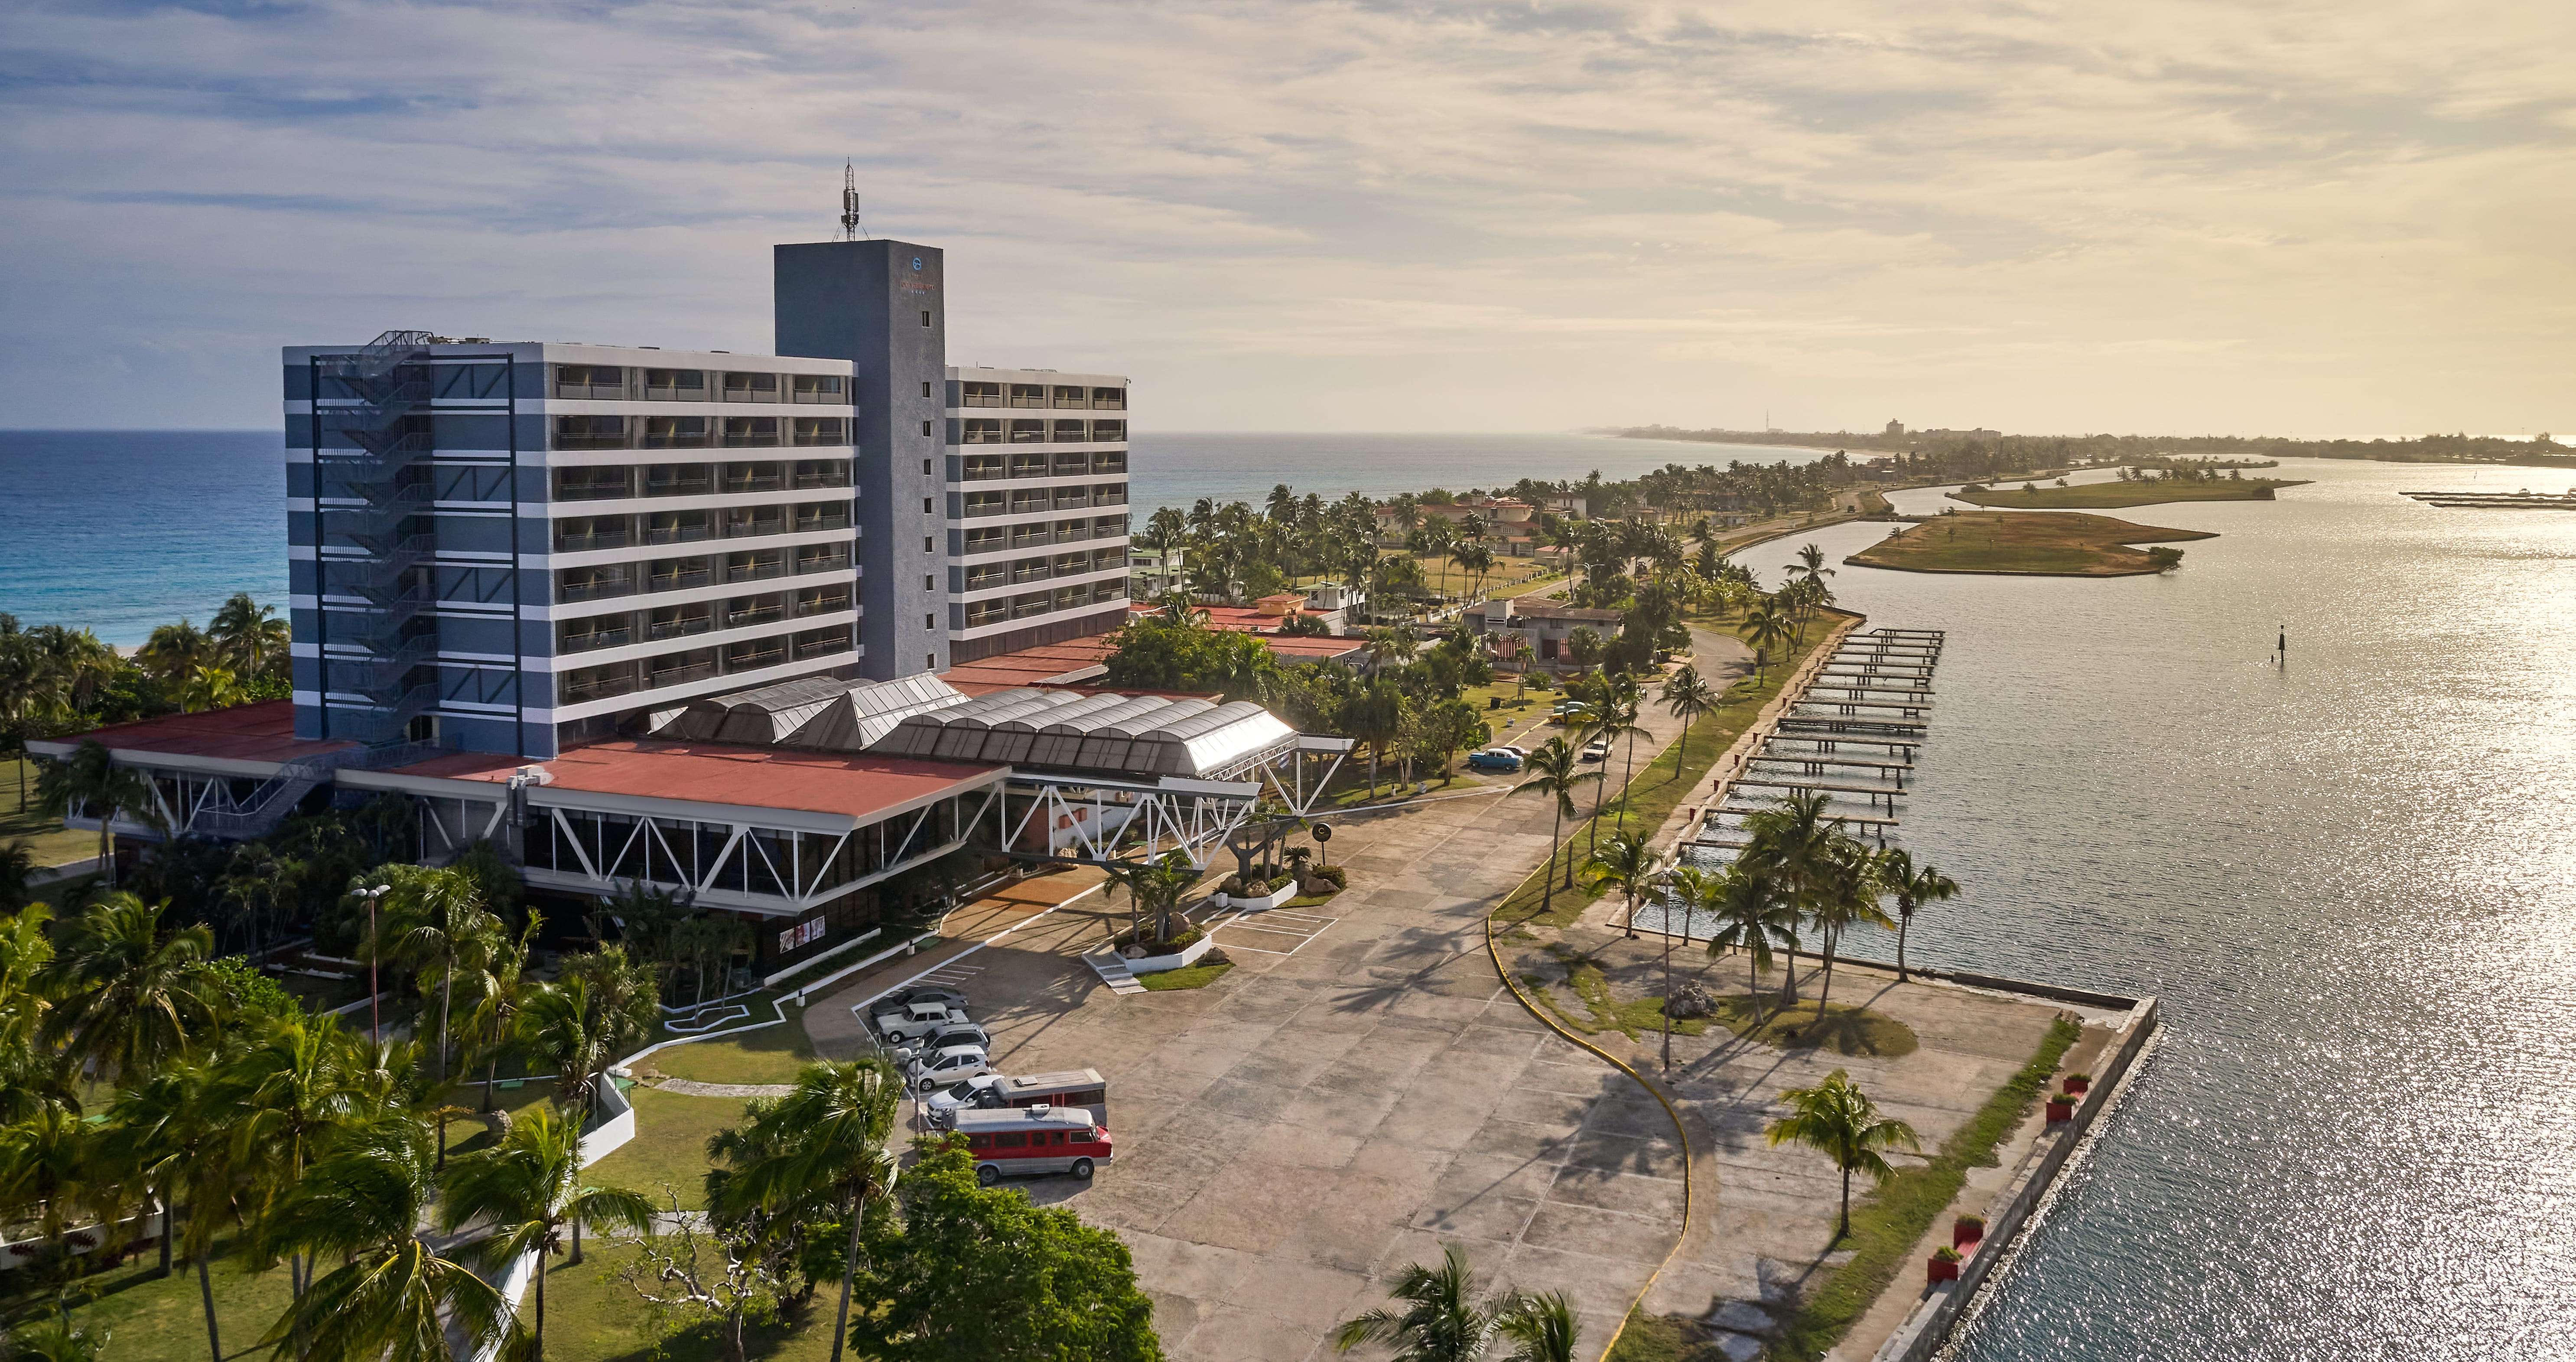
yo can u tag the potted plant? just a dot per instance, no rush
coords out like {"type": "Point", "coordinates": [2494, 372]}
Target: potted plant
{"type": "Point", "coordinates": [1967, 1229]}
{"type": "Point", "coordinates": [2061, 1107]}
{"type": "Point", "coordinates": [2079, 1084]}
{"type": "Point", "coordinates": [1944, 1267]}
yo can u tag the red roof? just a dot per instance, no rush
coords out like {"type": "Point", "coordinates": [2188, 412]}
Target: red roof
{"type": "Point", "coordinates": [851, 783]}
{"type": "Point", "coordinates": [264, 731]}
{"type": "Point", "coordinates": [1030, 666]}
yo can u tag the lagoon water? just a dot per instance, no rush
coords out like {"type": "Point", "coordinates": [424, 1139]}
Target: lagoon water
{"type": "Point", "coordinates": [2351, 879]}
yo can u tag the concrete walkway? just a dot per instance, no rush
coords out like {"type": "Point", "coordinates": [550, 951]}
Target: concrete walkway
{"type": "Point", "coordinates": [688, 1088]}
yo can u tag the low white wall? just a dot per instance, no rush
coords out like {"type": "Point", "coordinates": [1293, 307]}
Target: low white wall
{"type": "Point", "coordinates": [1254, 905]}
{"type": "Point", "coordinates": [1189, 955]}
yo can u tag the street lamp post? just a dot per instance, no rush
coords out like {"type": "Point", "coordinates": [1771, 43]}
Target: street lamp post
{"type": "Point", "coordinates": [375, 993]}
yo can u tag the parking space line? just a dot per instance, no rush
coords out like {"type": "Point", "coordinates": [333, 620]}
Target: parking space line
{"type": "Point", "coordinates": [1298, 927]}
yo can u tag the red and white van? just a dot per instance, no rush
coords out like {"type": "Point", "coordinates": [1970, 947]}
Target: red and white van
{"type": "Point", "coordinates": [1025, 1141]}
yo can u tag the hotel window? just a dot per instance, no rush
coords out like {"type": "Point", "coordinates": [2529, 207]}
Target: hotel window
{"type": "Point", "coordinates": [819, 430]}
{"type": "Point", "coordinates": [830, 389]}
{"type": "Point", "coordinates": [751, 387]}
{"type": "Point", "coordinates": [981, 395]}
{"type": "Point", "coordinates": [590, 432]}
{"type": "Point", "coordinates": [1068, 432]}
{"type": "Point", "coordinates": [1028, 394]}
{"type": "Point", "coordinates": [750, 432]}
{"type": "Point", "coordinates": [812, 474]}
{"type": "Point", "coordinates": [678, 479]}
{"type": "Point", "coordinates": [676, 432]}
{"type": "Point", "coordinates": [675, 385]}
{"type": "Point", "coordinates": [983, 430]}
{"type": "Point", "coordinates": [606, 381]}
{"type": "Point", "coordinates": [679, 527]}
{"type": "Point", "coordinates": [1109, 399]}
{"type": "Point", "coordinates": [594, 484]}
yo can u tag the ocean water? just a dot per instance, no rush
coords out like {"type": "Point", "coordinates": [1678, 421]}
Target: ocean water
{"type": "Point", "coordinates": [120, 531]}
{"type": "Point", "coordinates": [2350, 877]}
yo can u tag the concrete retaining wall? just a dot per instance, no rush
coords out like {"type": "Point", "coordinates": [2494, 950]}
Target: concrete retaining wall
{"type": "Point", "coordinates": [1929, 1326]}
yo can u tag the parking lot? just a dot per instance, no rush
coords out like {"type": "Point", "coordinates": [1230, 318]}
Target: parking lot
{"type": "Point", "coordinates": [1357, 1090]}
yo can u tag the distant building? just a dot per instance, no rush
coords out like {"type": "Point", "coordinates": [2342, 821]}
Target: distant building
{"type": "Point", "coordinates": [1534, 631]}
{"type": "Point", "coordinates": [1896, 427]}
{"type": "Point", "coordinates": [1152, 573]}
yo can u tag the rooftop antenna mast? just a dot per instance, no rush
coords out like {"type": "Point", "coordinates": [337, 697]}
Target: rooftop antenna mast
{"type": "Point", "coordinates": [851, 230]}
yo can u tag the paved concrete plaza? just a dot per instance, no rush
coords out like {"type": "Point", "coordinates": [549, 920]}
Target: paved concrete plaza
{"type": "Point", "coordinates": [1362, 1088]}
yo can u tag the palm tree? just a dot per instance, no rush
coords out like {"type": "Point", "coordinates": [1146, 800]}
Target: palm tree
{"type": "Point", "coordinates": [1914, 886]}
{"type": "Point", "coordinates": [249, 635]}
{"type": "Point", "coordinates": [1543, 1326]}
{"type": "Point", "coordinates": [1793, 842]}
{"type": "Point", "coordinates": [1763, 626]}
{"type": "Point", "coordinates": [1836, 1119]}
{"type": "Point", "coordinates": [1617, 719]}
{"type": "Point", "coordinates": [173, 650]}
{"type": "Point", "coordinates": [565, 1029]}
{"type": "Point", "coordinates": [1556, 768]}
{"type": "Point", "coordinates": [823, 1153]}
{"type": "Point", "coordinates": [499, 988]}
{"type": "Point", "coordinates": [394, 1297]}
{"type": "Point", "coordinates": [1442, 1322]}
{"type": "Point", "coordinates": [209, 687]}
{"type": "Point", "coordinates": [131, 998]}
{"type": "Point", "coordinates": [1752, 916]}
{"type": "Point", "coordinates": [1628, 863]}
{"type": "Point", "coordinates": [1810, 564]}
{"type": "Point", "coordinates": [525, 1190]}
{"type": "Point", "coordinates": [90, 782]}
{"type": "Point", "coordinates": [435, 922]}
{"type": "Point", "coordinates": [1692, 890]}
{"type": "Point", "coordinates": [291, 1090]}
{"type": "Point", "coordinates": [1686, 697]}
{"type": "Point", "coordinates": [1153, 887]}
{"type": "Point", "coordinates": [1847, 897]}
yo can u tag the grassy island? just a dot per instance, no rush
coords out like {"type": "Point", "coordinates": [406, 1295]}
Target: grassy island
{"type": "Point", "coordinates": [2142, 492]}
{"type": "Point", "coordinates": [2068, 545]}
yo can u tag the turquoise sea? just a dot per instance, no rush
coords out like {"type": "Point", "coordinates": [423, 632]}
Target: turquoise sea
{"type": "Point", "coordinates": [124, 530]}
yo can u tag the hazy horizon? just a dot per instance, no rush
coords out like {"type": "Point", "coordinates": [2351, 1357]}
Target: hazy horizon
{"type": "Point", "coordinates": [2274, 219]}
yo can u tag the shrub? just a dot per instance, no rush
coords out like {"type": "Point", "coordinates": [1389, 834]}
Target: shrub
{"type": "Point", "coordinates": [1216, 956]}
{"type": "Point", "coordinates": [1945, 1255]}
{"type": "Point", "coordinates": [1976, 1220]}
{"type": "Point", "coordinates": [1334, 875]}
{"type": "Point", "coordinates": [2079, 1078]}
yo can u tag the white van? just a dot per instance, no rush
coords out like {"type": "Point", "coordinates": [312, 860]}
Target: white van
{"type": "Point", "coordinates": [1083, 1088]}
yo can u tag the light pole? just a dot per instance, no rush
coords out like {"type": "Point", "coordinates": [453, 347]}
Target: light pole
{"type": "Point", "coordinates": [375, 994]}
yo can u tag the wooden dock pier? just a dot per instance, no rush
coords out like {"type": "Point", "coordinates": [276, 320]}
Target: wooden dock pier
{"type": "Point", "coordinates": [1886, 672]}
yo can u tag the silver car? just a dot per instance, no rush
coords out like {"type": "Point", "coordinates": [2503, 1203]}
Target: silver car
{"type": "Point", "coordinates": [940, 1068]}
{"type": "Point", "coordinates": [904, 1024]}
{"type": "Point", "coordinates": [941, 1039]}
{"type": "Point", "coordinates": [982, 1092]}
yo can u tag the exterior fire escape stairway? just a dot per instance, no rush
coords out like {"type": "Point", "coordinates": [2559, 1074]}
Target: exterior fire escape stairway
{"type": "Point", "coordinates": [375, 434]}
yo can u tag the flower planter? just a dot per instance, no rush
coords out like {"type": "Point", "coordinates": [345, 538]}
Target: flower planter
{"type": "Point", "coordinates": [2060, 1109]}
{"type": "Point", "coordinates": [1938, 1270]}
{"type": "Point", "coordinates": [1965, 1231]}
{"type": "Point", "coordinates": [1267, 901]}
{"type": "Point", "coordinates": [1186, 956]}
{"type": "Point", "coordinates": [2079, 1084]}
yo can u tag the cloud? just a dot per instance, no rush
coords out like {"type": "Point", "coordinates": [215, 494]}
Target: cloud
{"type": "Point", "coordinates": [1467, 216]}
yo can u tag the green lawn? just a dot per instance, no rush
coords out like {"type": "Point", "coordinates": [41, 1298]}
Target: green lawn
{"type": "Point", "coordinates": [670, 1146]}
{"type": "Point", "coordinates": [2071, 544]}
{"type": "Point", "coordinates": [591, 1316]}
{"type": "Point", "coordinates": [772, 1054]}
{"type": "Point", "coordinates": [1188, 976]}
{"type": "Point", "coordinates": [1891, 1221]}
{"type": "Point", "coordinates": [165, 1320]}
{"type": "Point", "coordinates": [469, 1134]}
{"type": "Point", "coordinates": [1847, 1030]}
{"type": "Point", "coordinates": [1601, 1011]}
{"type": "Point", "coordinates": [2102, 495]}
{"type": "Point", "coordinates": [21, 822]}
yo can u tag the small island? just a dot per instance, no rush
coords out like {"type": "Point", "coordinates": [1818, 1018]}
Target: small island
{"type": "Point", "coordinates": [2069, 545]}
{"type": "Point", "coordinates": [2127, 491]}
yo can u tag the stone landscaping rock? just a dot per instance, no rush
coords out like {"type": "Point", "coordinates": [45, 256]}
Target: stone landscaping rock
{"type": "Point", "coordinates": [1689, 1001]}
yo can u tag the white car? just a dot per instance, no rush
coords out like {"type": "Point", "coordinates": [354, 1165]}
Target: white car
{"type": "Point", "coordinates": [940, 1068]}
{"type": "Point", "coordinates": [941, 1039]}
{"type": "Point", "coordinates": [982, 1092]}
{"type": "Point", "coordinates": [1597, 750]}
{"type": "Point", "coordinates": [914, 1020]}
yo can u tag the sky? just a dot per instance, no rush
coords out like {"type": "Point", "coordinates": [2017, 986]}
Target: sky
{"type": "Point", "coordinates": [2239, 216]}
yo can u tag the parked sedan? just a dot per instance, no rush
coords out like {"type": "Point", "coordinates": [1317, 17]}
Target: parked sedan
{"type": "Point", "coordinates": [1495, 759]}
{"type": "Point", "coordinates": [939, 1068]}
{"type": "Point", "coordinates": [1597, 750]}
{"type": "Point", "coordinates": [941, 1039]}
{"type": "Point", "coordinates": [923, 993]}
{"type": "Point", "coordinates": [982, 1092]}
{"type": "Point", "coordinates": [904, 1024]}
